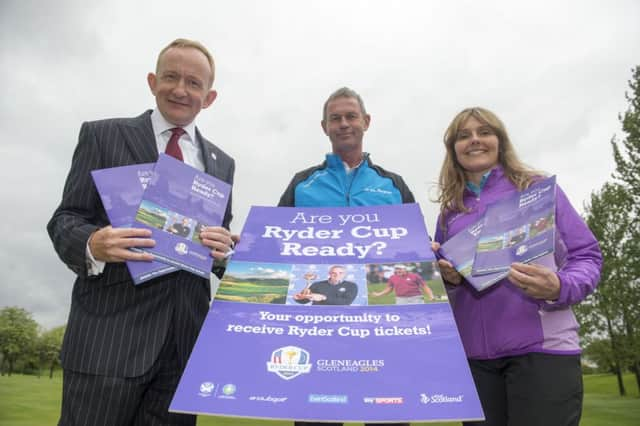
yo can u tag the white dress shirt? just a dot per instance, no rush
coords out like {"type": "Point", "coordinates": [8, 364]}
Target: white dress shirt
{"type": "Point", "coordinates": [191, 155]}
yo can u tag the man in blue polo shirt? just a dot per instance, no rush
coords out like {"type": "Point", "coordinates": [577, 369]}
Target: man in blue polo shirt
{"type": "Point", "coordinates": [347, 177]}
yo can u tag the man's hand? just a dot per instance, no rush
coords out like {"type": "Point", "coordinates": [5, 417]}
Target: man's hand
{"type": "Point", "coordinates": [219, 240]}
{"type": "Point", "coordinates": [303, 295]}
{"type": "Point", "coordinates": [317, 297]}
{"type": "Point", "coordinates": [307, 295]}
{"type": "Point", "coordinates": [536, 281]}
{"type": "Point", "coordinates": [110, 244]}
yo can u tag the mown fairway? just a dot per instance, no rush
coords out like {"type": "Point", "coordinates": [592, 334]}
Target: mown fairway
{"type": "Point", "coordinates": [32, 401]}
{"type": "Point", "coordinates": [256, 291]}
{"type": "Point", "coordinates": [150, 219]}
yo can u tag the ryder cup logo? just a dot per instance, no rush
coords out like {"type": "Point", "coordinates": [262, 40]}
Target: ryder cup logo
{"type": "Point", "coordinates": [289, 362]}
{"type": "Point", "coordinates": [522, 250]}
{"type": "Point", "coordinates": [181, 248]}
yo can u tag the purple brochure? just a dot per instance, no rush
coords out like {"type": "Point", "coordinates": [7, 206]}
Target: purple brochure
{"type": "Point", "coordinates": [120, 190]}
{"type": "Point", "coordinates": [265, 352]}
{"type": "Point", "coordinates": [519, 228]}
{"type": "Point", "coordinates": [460, 251]}
{"type": "Point", "coordinates": [178, 202]}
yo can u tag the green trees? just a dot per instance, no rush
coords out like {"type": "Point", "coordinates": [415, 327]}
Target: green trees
{"type": "Point", "coordinates": [627, 157]}
{"type": "Point", "coordinates": [18, 332]}
{"type": "Point", "coordinates": [627, 151]}
{"type": "Point", "coordinates": [610, 318]}
{"type": "Point", "coordinates": [22, 342]}
{"type": "Point", "coordinates": [604, 315]}
{"type": "Point", "coordinates": [48, 348]}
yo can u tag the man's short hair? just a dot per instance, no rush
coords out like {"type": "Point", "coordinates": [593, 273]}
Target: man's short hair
{"type": "Point", "coordinates": [183, 43]}
{"type": "Point", "coordinates": [343, 92]}
{"type": "Point", "coordinates": [400, 266]}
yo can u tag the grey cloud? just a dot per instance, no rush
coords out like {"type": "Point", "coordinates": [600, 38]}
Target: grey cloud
{"type": "Point", "coordinates": [556, 73]}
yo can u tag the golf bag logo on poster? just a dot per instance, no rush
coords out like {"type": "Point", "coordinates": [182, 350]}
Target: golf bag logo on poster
{"type": "Point", "coordinates": [289, 362]}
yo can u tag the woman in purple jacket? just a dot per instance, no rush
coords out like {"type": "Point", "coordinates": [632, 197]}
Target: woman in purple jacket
{"type": "Point", "coordinates": [520, 335]}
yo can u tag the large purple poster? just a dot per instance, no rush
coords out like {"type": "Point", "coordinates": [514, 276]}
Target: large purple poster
{"type": "Point", "coordinates": [331, 314]}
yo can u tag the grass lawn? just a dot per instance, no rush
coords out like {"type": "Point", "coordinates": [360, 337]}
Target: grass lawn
{"type": "Point", "coordinates": [603, 406]}
{"type": "Point", "coordinates": [32, 401]}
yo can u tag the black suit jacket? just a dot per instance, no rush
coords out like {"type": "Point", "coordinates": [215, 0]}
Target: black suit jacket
{"type": "Point", "coordinates": [114, 327]}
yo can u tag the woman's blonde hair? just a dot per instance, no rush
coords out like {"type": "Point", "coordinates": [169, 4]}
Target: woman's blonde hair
{"type": "Point", "coordinates": [452, 180]}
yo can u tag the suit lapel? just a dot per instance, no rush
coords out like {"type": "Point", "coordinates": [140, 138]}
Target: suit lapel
{"type": "Point", "coordinates": [140, 139]}
{"type": "Point", "coordinates": [209, 157]}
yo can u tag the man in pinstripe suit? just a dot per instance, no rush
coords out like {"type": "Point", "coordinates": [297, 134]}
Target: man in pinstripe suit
{"type": "Point", "coordinates": [126, 346]}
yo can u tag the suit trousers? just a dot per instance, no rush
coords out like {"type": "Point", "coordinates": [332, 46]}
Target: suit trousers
{"type": "Point", "coordinates": [534, 389]}
{"type": "Point", "coordinates": [95, 400]}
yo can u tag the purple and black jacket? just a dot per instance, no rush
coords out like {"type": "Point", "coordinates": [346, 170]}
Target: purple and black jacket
{"type": "Point", "coordinates": [502, 321]}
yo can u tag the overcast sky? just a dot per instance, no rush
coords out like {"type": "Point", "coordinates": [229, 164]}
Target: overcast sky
{"type": "Point", "coordinates": [555, 71]}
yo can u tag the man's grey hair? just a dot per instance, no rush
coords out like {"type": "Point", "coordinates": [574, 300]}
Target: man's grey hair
{"type": "Point", "coordinates": [343, 92]}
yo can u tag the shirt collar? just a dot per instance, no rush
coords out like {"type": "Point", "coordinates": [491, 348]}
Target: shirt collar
{"type": "Point", "coordinates": [334, 161]}
{"type": "Point", "coordinates": [477, 189]}
{"type": "Point", "coordinates": [350, 169]}
{"type": "Point", "coordinates": [160, 125]}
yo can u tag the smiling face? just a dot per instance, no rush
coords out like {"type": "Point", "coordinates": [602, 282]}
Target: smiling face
{"type": "Point", "coordinates": [345, 125]}
{"type": "Point", "coordinates": [182, 84]}
{"type": "Point", "coordinates": [476, 148]}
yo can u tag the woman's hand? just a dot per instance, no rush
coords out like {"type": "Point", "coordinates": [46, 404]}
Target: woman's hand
{"type": "Point", "coordinates": [536, 281]}
{"type": "Point", "coordinates": [448, 272]}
